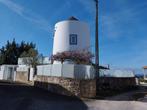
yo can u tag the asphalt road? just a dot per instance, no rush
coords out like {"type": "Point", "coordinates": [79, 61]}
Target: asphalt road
{"type": "Point", "coordinates": [22, 97]}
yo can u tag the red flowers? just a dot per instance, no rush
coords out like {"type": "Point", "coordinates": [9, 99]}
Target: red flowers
{"type": "Point", "coordinates": [78, 57]}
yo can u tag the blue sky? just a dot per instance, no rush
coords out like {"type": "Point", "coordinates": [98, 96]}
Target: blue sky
{"type": "Point", "coordinates": [122, 26]}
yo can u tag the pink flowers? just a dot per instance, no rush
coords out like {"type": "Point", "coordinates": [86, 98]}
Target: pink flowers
{"type": "Point", "coordinates": [78, 57]}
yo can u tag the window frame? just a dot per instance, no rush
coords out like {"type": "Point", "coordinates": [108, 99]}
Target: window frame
{"type": "Point", "coordinates": [71, 41]}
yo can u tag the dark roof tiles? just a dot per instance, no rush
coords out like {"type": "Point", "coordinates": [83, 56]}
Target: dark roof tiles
{"type": "Point", "coordinates": [73, 18]}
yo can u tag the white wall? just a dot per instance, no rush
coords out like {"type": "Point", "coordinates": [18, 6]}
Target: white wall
{"type": "Point", "coordinates": [44, 70]}
{"type": "Point", "coordinates": [63, 30]}
{"type": "Point", "coordinates": [24, 60]}
{"type": "Point", "coordinates": [67, 70]}
{"type": "Point", "coordinates": [117, 73]}
{"type": "Point", "coordinates": [23, 68]}
{"type": "Point", "coordinates": [31, 75]}
{"type": "Point", "coordinates": [1, 72]}
{"type": "Point", "coordinates": [7, 72]}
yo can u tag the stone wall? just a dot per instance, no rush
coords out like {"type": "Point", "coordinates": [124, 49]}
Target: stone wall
{"type": "Point", "coordinates": [83, 88]}
{"type": "Point", "coordinates": [21, 76]}
{"type": "Point", "coordinates": [67, 86]}
{"type": "Point", "coordinates": [114, 83]}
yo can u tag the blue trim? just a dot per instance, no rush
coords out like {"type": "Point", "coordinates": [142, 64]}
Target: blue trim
{"type": "Point", "coordinates": [73, 39]}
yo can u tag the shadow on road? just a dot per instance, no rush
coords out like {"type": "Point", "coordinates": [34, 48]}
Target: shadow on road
{"type": "Point", "coordinates": [23, 97]}
{"type": "Point", "coordinates": [138, 94]}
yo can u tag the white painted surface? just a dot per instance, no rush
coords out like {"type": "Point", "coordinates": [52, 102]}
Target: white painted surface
{"type": "Point", "coordinates": [57, 62]}
{"type": "Point", "coordinates": [14, 76]}
{"type": "Point", "coordinates": [47, 70]}
{"type": "Point", "coordinates": [67, 70]}
{"type": "Point", "coordinates": [84, 71]}
{"type": "Point", "coordinates": [31, 74]}
{"type": "Point", "coordinates": [44, 70]}
{"type": "Point", "coordinates": [56, 70]}
{"type": "Point", "coordinates": [62, 33]}
{"type": "Point", "coordinates": [117, 73]}
{"type": "Point", "coordinates": [1, 75]}
{"type": "Point", "coordinates": [7, 72]}
{"type": "Point", "coordinates": [23, 68]}
{"type": "Point", "coordinates": [25, 61]}
{"type": "Point", "coordinates": [40, 70]}
{"type": "Point", "coordinates": [1, 72]}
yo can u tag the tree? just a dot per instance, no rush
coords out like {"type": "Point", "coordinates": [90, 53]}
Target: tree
{"type": "Point", "coordinates": [10, 53]}
{"type": "Point", "coordinates": [30, 57]}
{"type": "Point", "coordinates": [2, 55]}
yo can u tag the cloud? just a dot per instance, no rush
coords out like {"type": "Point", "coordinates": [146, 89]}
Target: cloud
{"type": "Point", "coordinates": [27, 14]}
{"type": "Point", "coordinates": [35, 18]}
{"type": "Point", "coordinates": [14, 7]}
{"type": "Point", "coordinates": [122, 22]}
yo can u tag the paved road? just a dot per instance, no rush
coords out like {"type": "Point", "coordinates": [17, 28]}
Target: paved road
{"type": "Point", "coordinates": [23, 97]}
{"type": "Point", "coordinates": [116, 105]}
{"type": "Point", "coordinates": [123, 101]}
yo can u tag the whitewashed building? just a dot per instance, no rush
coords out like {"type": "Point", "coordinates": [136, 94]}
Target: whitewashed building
{"type": "Point", "coordinates": [69, 35]}
{"type": "Point", "coordinates": [8, 72]}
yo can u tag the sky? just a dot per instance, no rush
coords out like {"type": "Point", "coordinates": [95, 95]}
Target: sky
{"type": "Point", "coordinates": [122, 26]}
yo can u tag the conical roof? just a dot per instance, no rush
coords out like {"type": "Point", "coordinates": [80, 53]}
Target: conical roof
{"type": "Point", "coordinates": [73, 18]}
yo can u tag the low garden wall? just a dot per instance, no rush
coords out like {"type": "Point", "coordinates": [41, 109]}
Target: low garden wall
{"type": "Point", "coordinates": [67, 86]}
{"type": "Point", "coordinates": [115, 83]}
{"type": "Point", "coordinates": [74, 71]}
{"type": "Point", "coordinates": [21, 76]}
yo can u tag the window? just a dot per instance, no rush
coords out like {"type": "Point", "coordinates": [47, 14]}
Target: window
{"type": "Point", "coordinates": [73, 39]}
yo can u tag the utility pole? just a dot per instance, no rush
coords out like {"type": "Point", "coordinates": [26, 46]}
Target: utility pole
{"type": "Point", "coordinates": [96, 40]}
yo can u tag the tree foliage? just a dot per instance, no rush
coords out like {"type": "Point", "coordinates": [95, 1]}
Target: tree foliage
{"type": "Point", "coordinates": [31, 57]}
{"type": "Point", "coordinates": [10, 53]}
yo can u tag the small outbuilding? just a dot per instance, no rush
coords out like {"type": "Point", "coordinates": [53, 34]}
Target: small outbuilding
{"type": "Point", "coordinates": [8, 72]}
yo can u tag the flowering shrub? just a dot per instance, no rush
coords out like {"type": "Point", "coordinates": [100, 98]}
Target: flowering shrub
{"type": "Point", "coordinates": [78, 57]}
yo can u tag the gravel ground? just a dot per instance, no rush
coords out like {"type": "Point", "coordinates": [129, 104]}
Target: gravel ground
{"type": "Point", "coordinates": [16, 96]}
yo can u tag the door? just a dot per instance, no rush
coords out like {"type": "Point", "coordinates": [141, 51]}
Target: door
{"type": "Point", "coordinates": [10, 73]}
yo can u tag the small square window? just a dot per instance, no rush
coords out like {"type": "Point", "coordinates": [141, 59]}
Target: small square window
{"type": "Point", "coordinates": [73, 39]}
